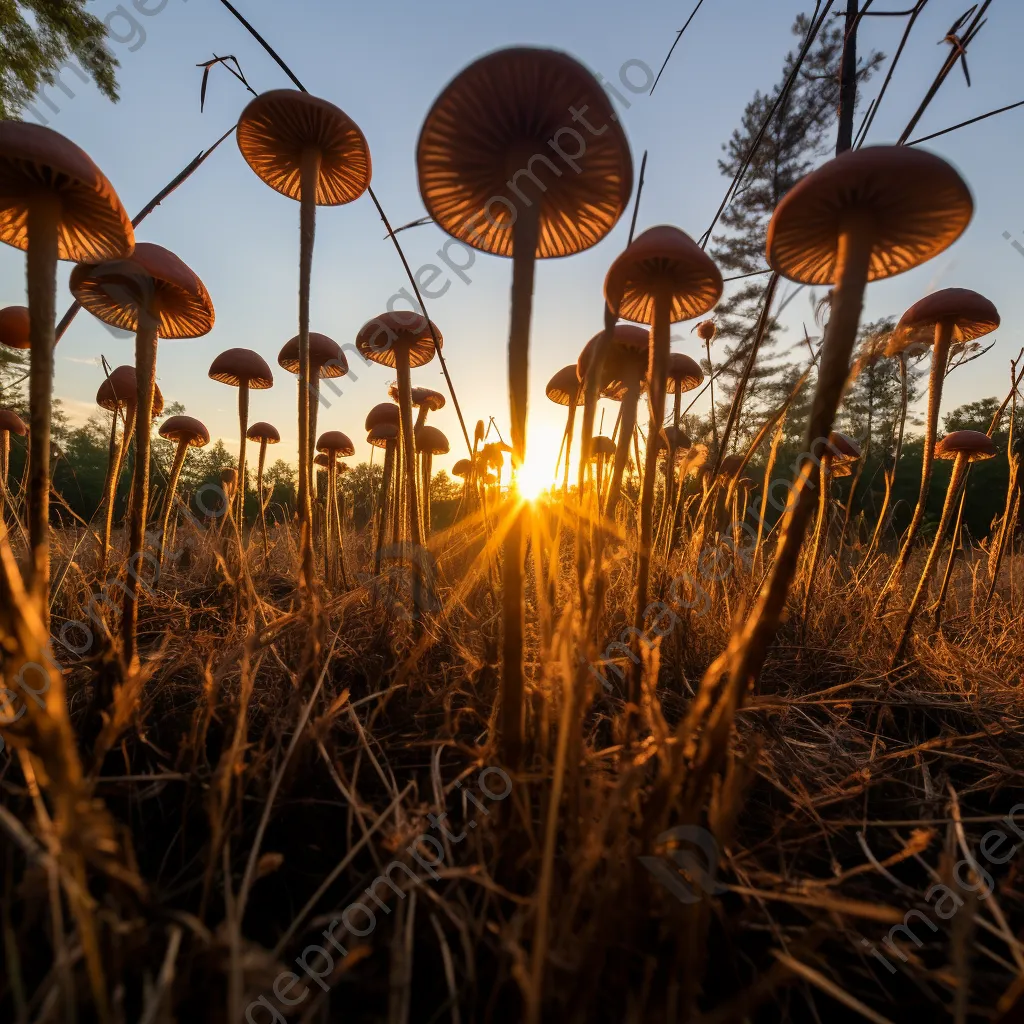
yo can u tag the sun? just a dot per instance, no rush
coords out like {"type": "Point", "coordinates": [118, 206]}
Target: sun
{"type": "Point", "coordinates": [533, 480]}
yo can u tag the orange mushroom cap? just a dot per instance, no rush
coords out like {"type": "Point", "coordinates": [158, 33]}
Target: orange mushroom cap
{"type": "Point", "coordinates": [380, 435]}
{"type": "Point", "coordinates": [630, 345]}
{"type": "Point", "coordinates": [229, 476]}
{"type": "Point", "coordinates": [383, 414]}
{"type": "Point", "coordinates": [14, 327]}
{"type": "Point", "coordinates": [970, 314]}
{"type": "Point", "coordinates": [602, 445]}
{"type": "Point", "coordinates": [707, 330]}
{"type": "Point", "coordinates": [842, 447]}
{"type": "Point", "coordinates": [278, 126]}
{"type": "Point", "coordinates": [185, 428]}
{"type": "Point", "coordinates": [565, 388]}
{"type": "Point", "coordinates": [684, 373]}
{"type": "Point", "coordinates": [462, 468]}
{"type": "Point", "coordinates": [663, 260]}
{"type": "Point", "coordinates": [337, 442]}
{"type": "Point", "coordinates": [325, 356]}
{"type": "Point", "coordinates": [263, 431]}
{"type": "Point", "coordinates": [972, 443]}
{"type": "Point", "coordinates": [430, 439]}
{"type": "Point", "coordinates": [731, 465]}
{"type": "Point", "coordinates": [402, 329]}
{"type": "Point", "coordinates": [118, 389]}
{"type": "Point", "coordinates": [242, 366]}
{"type": "Point", "coordinates": [433, 400]}
{"type": "Point", "coordinates": [501, 119]}
{"type": "Point", "coordinates": [12, 423]}
{"type": "Point", "coordinates": [153, 280]}
{"type": "Point", "coordinates": [33, 159]}
{"type": "Point", "coordinates": [917, 204]}
{"type": "Point", "coordinates": [677, 437]}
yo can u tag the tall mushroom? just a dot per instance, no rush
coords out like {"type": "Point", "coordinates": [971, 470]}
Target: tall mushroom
{"type": "Point", "coordinates": [383, 435]}
{"type": "Point", "coordinates": [485, 133]}
{"type": "Point", "coordinates": [565, 389]}
{"type": "Point", "coordinates": [266, 434]}
{"type": "Point", "coordinates": [964, 447]}
{"type": "Point", "coordinates": [154, 294]}
{"type": "Point", "coordinates": [684, 374]}
{"type": "Point", "coordinates": [246, 370]}
{"type": "Point", "coordinates": [424, 400]}
{"type": "Point", "coordinates": [187, 432]}
{"type": "Point", "coordinates": [308, 150]}
{"type": "Point", "coordinates": [56, 204]}
{"type": "Point", "coordinates": [334, 445]}
{"type": "Point", "coordinates": [429, 442]}
{"type": "Point", "coordinates": [944, 318]}
{"type": "Point", "coordinates": [601, 450]}
{"type": "Point", "coordinates": [117, 392]}
{"type": "Point", "coordinates": [10, 423]}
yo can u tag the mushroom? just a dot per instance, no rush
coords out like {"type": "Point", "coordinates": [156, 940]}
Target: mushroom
{"type": "Point", "coordinates": [429, 442]}
{"type": "Point", "coordinates": [306, 149]}
{"type": "Point", "coordinates": [946, 317]}
{"type": "Point", "coordinates": [188, 432]}
{"type": "Point", "coordinates": [424, 400]}
{"type": "Point", "coordinates": [10, 423]}
{"type": "Point", "coordinates": [14, 333]}
{"type": "Point", "coordinates": [707, 331]}
{"type": "Point", "coordinates": [383, 435]}
{"type": "Point", "coordinates": [56, 204]}
{"type": "Point", "coordinates": [154, 294]}
{"type": "Point", "coordinates": [482, 137]}
{"type": "Point", "coordinates": [964, 447]}
{"type": "Point", "coordinates": [410, 342]}
{"type": "Point", "coordinates": [862, 216]}
{"type": "Point", "coordinates": [228, 483]}
{"type": "Point", "coordinates": [684, 374]}
{"type": "Point", "coordinates": [565, 388]}
{"type": "Point", "coordinates": [266, 434]}
{"type": "Point", "coordinates": [601, 450]}
{"type": "Point", "coordinates": [127, 435]}
{"type": "Point", "coordinates": [334, 445]}
{"type": "Point", "coordinates": [243, 369]}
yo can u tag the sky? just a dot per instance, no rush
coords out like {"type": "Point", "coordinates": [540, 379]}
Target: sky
{"type": "Point", "coordinates": [384, 64]}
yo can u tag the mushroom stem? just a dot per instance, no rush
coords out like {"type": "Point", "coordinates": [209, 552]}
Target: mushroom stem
{"type": "Point", "coordinates": [959, 465]}
{"type": "Point", "coordinates": [890, 473]}
{"type": "Point", "coordinates": [711, 382]}
{"type": "Point", "coordinates": [570, 423]}
{"type": "Point", "coordinates": [940, 354]}
{"type": "Point", "coordinates": [145, 374]}
{"type": "Point", "coordinates": [43, 224]}
{"type": "Point", "coordinates": [263, 499]}
{"type": "Point", "coordinates": [310, 174]}
{"type": "Point", "coordinates": [329, 548]}
{"type": "Point", "coordinates": [114, 479]}
{"type": "Point", "coordinates": [408, 447]}
{"type": "Point", "coordinates": [951, 561]}
{"type": "Point", "coordinates": [172, 486]}
{"type": "Point", "coordinates": [627, 424]}
{"type": "Point", "coordinates": [660, 346]}
{"type": "Point", "coordinates": [111, 452]}
{"type": "Point", "coordinates": [428, 469]}
{"type": "Point", "coordinates": [385, 488]}
{"type": "Point", "coordinates": [243, 423]}
{"type": "Point", "coordinates": [819, 533]}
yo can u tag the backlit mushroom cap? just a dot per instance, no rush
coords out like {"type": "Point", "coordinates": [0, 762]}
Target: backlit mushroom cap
{"type": "Point", "coordinates": [279, 125]}
{"type": "Point", "coordinates": [33, 159]}
{"type": "Point", "coordinates": [262, 431]}
{"type": "Point", "coordinates": [430, 439]}
{"type": "Point", "coordinates": [629, 350]}
{"type": "Point", "coordinates": [229, 476]}
{"type": "Point", "coordinates": [382, 434]}
{"type": "Point", "coordinates": [970, 314]}
{"type": "Point", "coordinates": [325, 356]}
{"type": "Point", "coordinates": [842, 469]}
{"type": "Point", "coordinates": [501, 120]}
{"type": "Point", "coordinates": [337, 442]}
{"type": "Point", "coordinates": [433, 400]}
{"type": "Point", "coordinates": [378, 339]}
{"type": "Point", "coordinates": [564, 388]}
{"type": "Point", "coordinates": [238, 366]}
{"type": "Point", "coordinates": [746, 483]}
{"type": "Point", "coordinates": [972, 443]}
{"type": "Point", "coordinates": [662, 260]}
{"type": "Point", "coordinates": [731, 465]}
{"type": "Point", "coordinates": [185, 428]}
{"type": "Point", "coordinates": [323, 460]}
{"type": "Point", "coordinates": [14, 327]}
{"type": "Point", "coordinates": [843, 447]}
{"type": "Point", "coordinates": [602, 445]}
{"type": "Point", "coordinates": [152, 278]}
{"type": "Point", "coordinates": [677, 437]}
{"type": "Point", "coordinates": [707, 330]}
{"type": "Point", "coordinates": [916, 203]}
{"type": "Point", "coordinates": [383, 414]}
{"type": "Point", "coordinates": [684, 373]}
{"type": "Point", "coordinates": [118, 389]}
{"type": "Point", "coordinates": [462, 468]}
{"type": "Point", "coordinates": [12, 423]}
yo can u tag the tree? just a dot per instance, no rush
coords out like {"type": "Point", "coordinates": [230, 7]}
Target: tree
{"type": "Point", "coordinates": [38, 39]}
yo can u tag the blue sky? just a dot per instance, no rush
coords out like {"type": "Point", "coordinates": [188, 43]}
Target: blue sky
{"type": "Point", "coordinates": [384, 64]}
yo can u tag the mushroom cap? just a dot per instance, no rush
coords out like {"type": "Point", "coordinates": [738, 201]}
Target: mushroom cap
{"type": "Point", "coordinates": [433, 400]}
{"type": "Point", "coordinates": [229, 475]}
{"type": "Point", "coordinates": [337, 442]}
{"type": "Point", "coordinates": [154, 279]}
{"type": "Point", "coordinates": [34, 159]}
{"type": "Point", "coordinates": [707, 330]}
{"type": "Point", "coordinates": [12, 423]}
{"type": "Point", "coordinates": [238, 366]}
{"type": "Point", "coordinates": [971, 315]}
{"type": "Point", "coordinates": [325, 355]}
{"type": "Point", "coordinates": [972, 443]}
{"type": "Point", "coordinates": [263, 431]}
{"type": "Point", "coordinates": [14, 327]}
{"type": "Point", "coordinates": [430, 439]}
{"type": "Point", "coordinates": [402, 329]}
{"type": "Point", "coordinates": [499, 120]}
{"type": "Point", "coordinates": [842, 469]}
{"type": "Point", "coordinates": [279, 125]}
{"type": "Point", "coordinates": [843, 447]}
{"type": "Point", "coordinates": [677, 437]}
{"type": "Point", "coordinates": [917, 203]}
{"type": "Point", "coordinates": [731, 465]}
{"type": "Point", "coordinates": [380, 435]}
{"type": "Point", "coordinates": [117, 389]}
{"type": "Point", "coordinates": [684, 373]}
{"type": "Point", "coordinates": [185, 428]}
{"type": "Point", "coordinates": [629, 350]}
{"type": "Point", "coordinates": [663, 260]}
{"type": "Point", "coordinates": [602, 445]}
{"type": "Point", "coordinates": [565, 388]}
{"type": "Point", "coordinates": [462, 468]}
{"type": "Point", "coordinates": [385, 413]}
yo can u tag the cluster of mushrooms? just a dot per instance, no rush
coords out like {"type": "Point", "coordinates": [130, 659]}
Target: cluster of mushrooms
{"type": "Point", "coordinates": [863, 216]}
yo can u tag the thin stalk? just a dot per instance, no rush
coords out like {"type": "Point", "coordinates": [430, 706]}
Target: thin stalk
{"type": "Point", "coordinates": [711, 382]}
{"type": "Point", "coordinates": [263, 499]}
{"type": "Point", "coordinates": [627, 425]}
{"type": "Point", "coordinates": [890, 474]}
{"type": "Point", "coordinates": [953, 547]}
{"type": "Point", "coordinates": [819, 533]}
{"type": "Point", "coordinates": [570, 424]}
{"type": "Point", "coordinates": [172, 486]}
{"type": "Point", "coordinates": [385, 490]}
{"type": "Point", "coordinates": [243, 423]}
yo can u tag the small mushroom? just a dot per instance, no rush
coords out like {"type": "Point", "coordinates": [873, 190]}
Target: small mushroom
{"type": "Point", "coordinates": [333, 444]}
{"type": "Point", "coordinates": [187, 432]}
{"type": "Point", "coordinates": [14, 331]}
{"type": "Point", "coordinates": [429, 442]}
{"type": "Point", "coordinates": [565, 388]}
{"type": "Point", "coordinates": [382, 434]}
{"type": "Point", "coordinates": [707, 331]}
{"type": "Point", "coordinates": [10, 423]}
{"type": "Point", "coordinates": [266, 434]}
